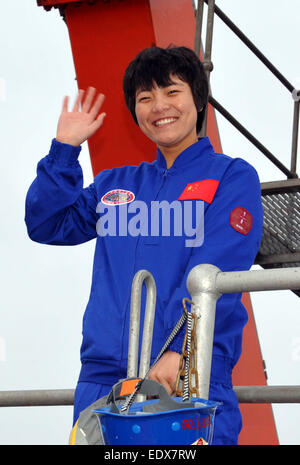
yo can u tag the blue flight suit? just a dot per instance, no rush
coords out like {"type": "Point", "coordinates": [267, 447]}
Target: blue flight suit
{"type": "Point", "coordinates": [59, 211]}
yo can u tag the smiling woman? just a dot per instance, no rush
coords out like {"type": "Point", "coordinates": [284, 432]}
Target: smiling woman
{"type": "Point", "coordinates": [163, 68]}
{"type": "Point", "coordinates": [166, 91]}
{"type": "Point", "coordinates": [168, 116]}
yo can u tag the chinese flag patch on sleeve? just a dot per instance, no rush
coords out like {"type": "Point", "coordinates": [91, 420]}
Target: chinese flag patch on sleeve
{"type": "Point", "coordinates": [241, 220]}
{"type": "Point", "coordinates": [202, 190]}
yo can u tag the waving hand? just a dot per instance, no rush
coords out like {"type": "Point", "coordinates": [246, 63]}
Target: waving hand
{"type": "Point", "coordinates": [76, 126]}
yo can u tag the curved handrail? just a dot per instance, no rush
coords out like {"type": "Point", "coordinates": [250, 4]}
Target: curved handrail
{"type": "Point", "coordinates": [134, 330]}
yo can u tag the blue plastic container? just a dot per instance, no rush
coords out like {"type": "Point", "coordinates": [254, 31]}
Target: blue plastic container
{"type": "Point", "coordinates": [182, 426]}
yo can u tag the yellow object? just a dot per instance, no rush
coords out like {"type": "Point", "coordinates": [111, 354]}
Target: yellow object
{"type": "Point", "coordinates": [72, 440]}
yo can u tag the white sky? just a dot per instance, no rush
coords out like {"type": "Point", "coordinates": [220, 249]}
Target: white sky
{"type": "Point", "coordinates": [43, 294]}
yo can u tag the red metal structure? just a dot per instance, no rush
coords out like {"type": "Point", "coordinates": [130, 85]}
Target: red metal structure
{"type": "Point", "coordinates": [105, 35]}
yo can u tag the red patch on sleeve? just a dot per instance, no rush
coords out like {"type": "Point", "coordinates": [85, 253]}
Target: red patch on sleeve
{"type": "Point", "coordinates": [241, 220]}
{"type": "Point", "coordinates": [202, 190]}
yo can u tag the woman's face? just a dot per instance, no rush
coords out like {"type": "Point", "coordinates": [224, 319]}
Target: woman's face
{"type": "Point", "coordinates": [168, 115]}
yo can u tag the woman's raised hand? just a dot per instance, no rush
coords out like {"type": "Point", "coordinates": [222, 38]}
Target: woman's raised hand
{"type": "Point", "coordinates": [76, 126]}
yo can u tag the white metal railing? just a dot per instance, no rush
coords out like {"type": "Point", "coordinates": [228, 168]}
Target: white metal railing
{"type": "Point", "coordinates": [206, 284]}
{"type": "Point", "coordinates": [63, 397]}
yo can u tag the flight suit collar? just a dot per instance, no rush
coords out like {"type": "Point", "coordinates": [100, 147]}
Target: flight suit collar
{"type": "Point", "coordinates": [188, 156]}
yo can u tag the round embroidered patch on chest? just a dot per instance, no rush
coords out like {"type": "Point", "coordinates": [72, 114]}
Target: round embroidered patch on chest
{"type": "Point", "coordinates": [117, 197]}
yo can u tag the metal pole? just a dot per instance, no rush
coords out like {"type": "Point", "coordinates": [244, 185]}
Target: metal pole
{"type": "Point", "coordinates": [202, 288]}
{"type": "Point", "coordinates": [206, 283]}
{"type": "Point", "coordinates": [209, 36]}
{"type": "Point", "coordinates": [268, 394]}
{"type": "Point", "coordinates": [63, 397]}
{"type": "Point", "coordinates": [38, 397]}
{"type": "Point", "coordinates": [198, 31]}
{"type": "Point", "coordinates": [252, 47]}
{"type": "Point", "coordinates": [296, 97]}
{"type": "Point", "coordinates": [207, 63]}
{"type": "Point", "coordinates": [250, 137]}
{"type": "Point", "coordinates": [134, 331]}
{"type": "Point", "coordinates": [257, 280]}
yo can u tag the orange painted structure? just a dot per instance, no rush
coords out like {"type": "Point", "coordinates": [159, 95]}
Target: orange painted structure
{"type": "Point", "coordinates": [104, 36]}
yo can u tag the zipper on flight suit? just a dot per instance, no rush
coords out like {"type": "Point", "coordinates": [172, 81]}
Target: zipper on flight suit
{"type": "Point", "coordinates": [164, 177]}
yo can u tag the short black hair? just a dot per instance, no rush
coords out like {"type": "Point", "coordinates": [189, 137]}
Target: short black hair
{"type": "Point", "coordinates": [156, 65]}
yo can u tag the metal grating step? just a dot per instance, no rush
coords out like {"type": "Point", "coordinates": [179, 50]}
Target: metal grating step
{"type": "Point", "coordinates": [280, 245]}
